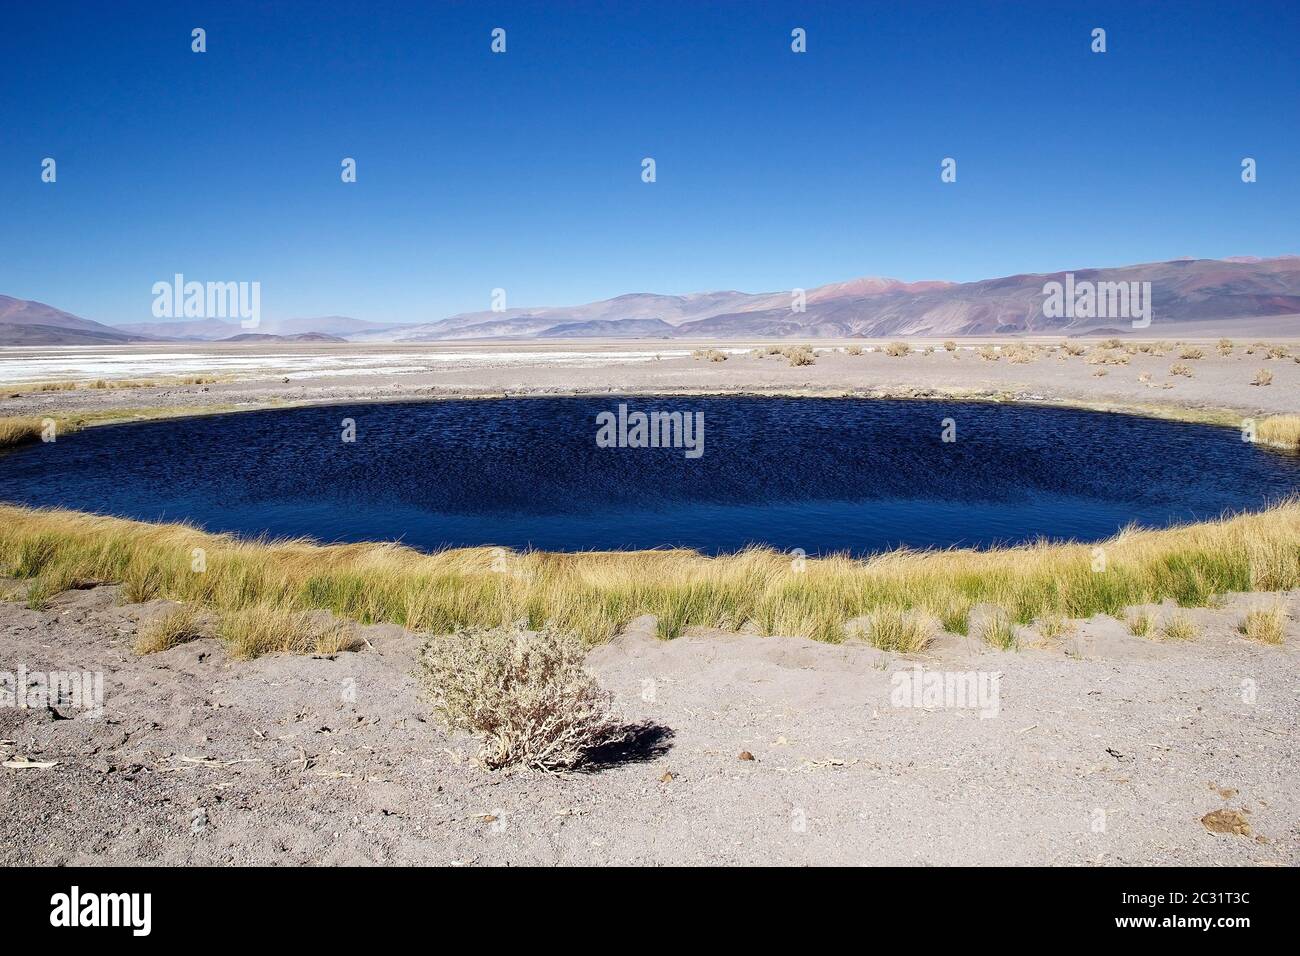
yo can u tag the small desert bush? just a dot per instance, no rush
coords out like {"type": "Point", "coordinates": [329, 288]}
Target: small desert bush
{"type": "Point", "coordinates": [1177, 369]}
{"type": "Point", "coordinates": [1111, 343]}
{"type": "Point", "coordinates": [1020, 355]}
{"type": "Point", "coordinates": [854, 350]}
{"type": "Point", "coordinates": [1190, 353]}
{"type": "Point", "coordinates": [989, 354]}
{"type": "Point", "coordinates": [1179, 628]}
{"type": "Point", "coordinates": [949, 345]}
{"type": "Point", "coordinates": [1263, 377]}
{"type": "Point", "coordinates": [527, 695]}
{"type": "Point", "coordinates": [1265, 625]}
{"type": "Point", "coordinates": [897, 349]}
{"type": "Point", "coordinates": [1278, 352]}
{"type": "Point", "coordinates": [896, 629]}
{"type": "Point", "coordinates": [1109, 358]}
{"type": "Point", "coordinates": [997, 628]}
{"type": "Point", "coordinates": [1225, 345]}
{"type": "Point", "coordinates": [1073, 348]}
{"type": "Point", "coordinates": [1052, 625]}
{"type": "Point", "coordinates": [168, 630]}
{"type": "Point", "coordinates": [713, 355]}
{"type": "Point", "coordinates": [800, 354]}
{"type": "Point", "coordinates": [265, 629]}
{"type": "Point", "coordinates": [1141, 623]}
{"type": "Point", "coordinates": [1281, 431]}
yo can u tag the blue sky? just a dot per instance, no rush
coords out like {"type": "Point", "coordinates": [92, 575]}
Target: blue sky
{"type": "Point", "coordinates": [522, 170]}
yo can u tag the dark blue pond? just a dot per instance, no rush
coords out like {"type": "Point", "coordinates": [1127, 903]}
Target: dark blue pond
{"type": "Point", "coordinates": [823, 475]}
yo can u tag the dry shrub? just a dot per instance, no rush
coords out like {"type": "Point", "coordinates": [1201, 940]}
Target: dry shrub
{"type": "Point", "coordinates": [264, 629]}
{"type": "Point", "coordinates": [894, 629]}
{"type": "Point", "coordinates": [1177, 369]}
{"type": "Point", "coordinates": [998, 629]}
{"type": "Point", "coordinates": [1020, 355]}
{"type": "Point", "coordinates": [800, 354]}
{"type": "Point", "coordinates": [1053, 625]}
{"type": "Point", "coordinates": [1190, 353]}
{"type": "Point", "coordinates": [989, 354]}
{"type": "Point", "coordinates": [1111, 343]}
{"type": "Point", "coordinates": [1179, 628]}
{"type": "Point", "coordinates": [1142, 623]}
{"type": "Point", "coordinates": [1280, 431]}
{"type": "Point", "coordinates": [1265, 625]}
{"type": "Point", "coordinates": [172, 628]}
{"type": "Point", "coordinates": [897, 349]}
{"type": "Point", "coordinates": [713, 355]}
{"type": "Point", "coordinates": [527, 694]}
{"type": "Point", "coordinates": [16, 431]}
{"type": "Point", "coordinates": [1263, 377]}
{"type": "Point", "coordinates": [854, 350]}
{"type": "Point", "coordinates": [1073, 348]}
{"type": "Point", "coordinates": [949, 345]}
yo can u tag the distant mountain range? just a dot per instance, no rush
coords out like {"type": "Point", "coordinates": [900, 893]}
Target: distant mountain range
{"type": "Point", "coordinates": [211, 330]}
{"type": "Point", "coordinates": [1214, 293]}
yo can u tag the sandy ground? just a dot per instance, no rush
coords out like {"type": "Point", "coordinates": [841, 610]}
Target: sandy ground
{"type": "Point", "coordinates": [1104, 749]}
{"type": "Point", "coordinates": [262, 375]}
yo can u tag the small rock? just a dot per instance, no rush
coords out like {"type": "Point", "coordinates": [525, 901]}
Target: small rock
{"type": "Point", "coordinates": [745, 755]}
{"type": "Point", "coordinates": [667, 777]}
{"type": "Point", "coordinates": [1226, 821]}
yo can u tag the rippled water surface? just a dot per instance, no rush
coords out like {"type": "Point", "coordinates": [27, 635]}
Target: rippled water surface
{"type": "Point", "coordinates": [823, 475]}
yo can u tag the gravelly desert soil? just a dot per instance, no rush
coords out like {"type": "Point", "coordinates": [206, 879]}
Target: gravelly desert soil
{"type": "Point", "coordinates": [266, 374]}
{"type": "Point", "coordinates": [300, 760]}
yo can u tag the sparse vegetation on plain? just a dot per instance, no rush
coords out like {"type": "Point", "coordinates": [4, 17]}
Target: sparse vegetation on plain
{"type": "Point", "coordinates": [800, 354]}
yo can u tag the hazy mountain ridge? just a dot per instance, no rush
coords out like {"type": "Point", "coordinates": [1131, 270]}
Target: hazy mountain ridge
{"type": "Point", "coordinates": [1182, 290]}
{"type": "Point", "coordinates": [212, 330]}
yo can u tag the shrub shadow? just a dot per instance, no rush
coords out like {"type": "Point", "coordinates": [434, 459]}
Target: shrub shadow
{"type": "Point", "coordinates": [640, 743]}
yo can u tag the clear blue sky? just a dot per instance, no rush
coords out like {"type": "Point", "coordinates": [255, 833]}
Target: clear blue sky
{"type": "Point", "coordinates": [522, 170]}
